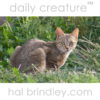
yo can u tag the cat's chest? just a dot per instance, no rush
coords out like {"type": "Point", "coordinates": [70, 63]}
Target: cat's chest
{"type": "Point", "coordinates": [63, 59]}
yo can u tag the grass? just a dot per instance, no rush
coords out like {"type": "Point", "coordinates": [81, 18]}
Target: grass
{"type": "Point", "coordinates": [82, 66]}
{"type": "Point", "coordinates": [61, 76]}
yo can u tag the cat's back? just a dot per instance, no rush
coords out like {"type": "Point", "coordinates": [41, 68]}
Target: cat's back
{"type": "Point", "coordinates": [31, 45]}
{"type": "Point", "coordinates": [28, 47]}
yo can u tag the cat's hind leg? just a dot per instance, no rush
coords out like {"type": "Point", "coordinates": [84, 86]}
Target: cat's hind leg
{"type": "Point", "coordinates": [12, 57]}
{"type": "Point", "coordinates": [39, 58]}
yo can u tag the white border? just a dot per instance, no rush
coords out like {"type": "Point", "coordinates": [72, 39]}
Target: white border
{"type": "Point", "coordinates": [93, 7]}
{"type": "Point", "coordinates": [5, 95]}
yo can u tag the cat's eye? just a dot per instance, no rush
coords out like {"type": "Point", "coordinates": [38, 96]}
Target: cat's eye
{"type": "Point", "coordinates": [71, 43]}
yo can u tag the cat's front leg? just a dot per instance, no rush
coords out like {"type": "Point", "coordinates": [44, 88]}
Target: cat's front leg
{"type": "Point", "coordinates": [61, 60]}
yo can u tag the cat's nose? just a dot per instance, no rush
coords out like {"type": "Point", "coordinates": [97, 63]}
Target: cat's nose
{"type": "Point", "coordinates": [67, 48]}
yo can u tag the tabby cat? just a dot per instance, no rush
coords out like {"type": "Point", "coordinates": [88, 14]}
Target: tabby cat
{"type": "Point", "coordinates": [39, 55]}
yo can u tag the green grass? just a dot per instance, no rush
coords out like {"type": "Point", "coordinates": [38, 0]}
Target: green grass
{"type": "Point", "coordinates": [82, 66]}
{"type": "Point", "coordinates": [60, 76]}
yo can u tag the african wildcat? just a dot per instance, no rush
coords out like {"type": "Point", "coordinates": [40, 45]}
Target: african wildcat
{"type": "Point", "coordinates": [44, 55]}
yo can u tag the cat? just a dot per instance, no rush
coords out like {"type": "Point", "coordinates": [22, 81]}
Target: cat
{"type": "Point", "coordinates": [39, 55]}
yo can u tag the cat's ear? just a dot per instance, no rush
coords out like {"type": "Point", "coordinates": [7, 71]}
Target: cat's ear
{"type": "Point", "coordinates": [59, 32]}
{"type": "Point", "coordinates": [75, 33]}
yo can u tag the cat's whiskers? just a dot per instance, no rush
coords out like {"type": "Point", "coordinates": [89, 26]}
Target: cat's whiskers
{"type": "Point", "coordinates": [19, 67]}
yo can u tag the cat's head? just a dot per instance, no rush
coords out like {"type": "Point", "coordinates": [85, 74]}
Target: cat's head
{"type": "Point", "coordinates": [66, 42]}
